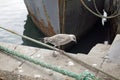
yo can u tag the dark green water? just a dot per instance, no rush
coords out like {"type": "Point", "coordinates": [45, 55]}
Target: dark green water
{"type": "Point", "coordinates": [14, 16]}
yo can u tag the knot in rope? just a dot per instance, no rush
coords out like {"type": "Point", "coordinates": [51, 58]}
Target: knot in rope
{"type": "Point", "coordinates": [86, 75]}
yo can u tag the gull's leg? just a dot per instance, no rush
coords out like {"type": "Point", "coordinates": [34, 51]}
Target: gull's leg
{"type": "Point", "coordinates": [55, 54]}
{"type": "Point", "coordinates": [60, 51]}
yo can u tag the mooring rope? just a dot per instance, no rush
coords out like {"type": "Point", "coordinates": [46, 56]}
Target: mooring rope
{"type": "Point", "coordinates": [94, 2]}
{"type": "Point", "coordinates": [97, 14]}
{"type": "Point", "coordinates": [33, 40]}
{"type": "Point", "coordinates": [86, 75]}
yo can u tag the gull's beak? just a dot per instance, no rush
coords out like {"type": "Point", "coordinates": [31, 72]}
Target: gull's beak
{"type": "Point", "coordinates": [75, 40]}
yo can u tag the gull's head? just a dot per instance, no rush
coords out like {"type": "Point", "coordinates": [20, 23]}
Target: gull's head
{"type": "Point", "coordinates": [45, 40]}
{"type": "Point", "coordinates": [73, 37]}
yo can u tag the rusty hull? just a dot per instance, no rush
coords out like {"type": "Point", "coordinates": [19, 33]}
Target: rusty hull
{"type": "Point", "coordinates": [40, 24]}
{"type": "Point", "coordinates": [42, 14]}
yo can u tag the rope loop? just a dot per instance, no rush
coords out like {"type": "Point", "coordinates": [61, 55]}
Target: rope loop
{"type": "Point", "coordinates": [98, 14]}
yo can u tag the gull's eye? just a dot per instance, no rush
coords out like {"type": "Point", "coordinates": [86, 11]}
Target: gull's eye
{"type": "Point", "coordinates": [45, 40]}
{"type": "Point", "coordinates": [74, 38]}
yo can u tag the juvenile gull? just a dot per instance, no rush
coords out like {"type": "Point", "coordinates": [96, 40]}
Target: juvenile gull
{"type": "Point", "coordinates": [59, 39]}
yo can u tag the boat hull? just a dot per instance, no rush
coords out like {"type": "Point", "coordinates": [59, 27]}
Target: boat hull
{"type": "Point", "coordinates": [60, 16]}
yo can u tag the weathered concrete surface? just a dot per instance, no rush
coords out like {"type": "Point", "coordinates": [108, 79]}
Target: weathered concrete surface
{"type": "Point", "coordinates": [100, 50]}
{"type": "Point", "coordinates": [19, 66]}
{"type": "Point", "coordinates": [113, 68]}
{"type": "Point", "coordinates": [114, 51]}
{"type": "Point", "coordinates": [6, 75]}
{"type": "Point", "coordinates": [6, 62]}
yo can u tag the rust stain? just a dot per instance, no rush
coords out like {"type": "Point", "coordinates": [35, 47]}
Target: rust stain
{"type": "Point", "coordinates": [47, 30]}
{"type": "Point", "coordinates": [47, 17]}
{"type": "Point", "coordinates": [61, 15]}
{"type": "Point", "coordinates": [63, 21]}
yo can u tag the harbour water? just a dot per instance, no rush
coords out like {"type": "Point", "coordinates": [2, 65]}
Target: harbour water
{"type": "Point", "coordinates": [14, 16]}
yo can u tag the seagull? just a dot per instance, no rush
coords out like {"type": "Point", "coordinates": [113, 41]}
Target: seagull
{"type": "Point", "coordinates": [59, 40]}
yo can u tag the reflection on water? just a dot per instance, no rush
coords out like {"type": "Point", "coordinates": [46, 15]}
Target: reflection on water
{"type": "Point", "coordinates": [31, 31]}
{"type": "Point", "coordinates": [12, 16]}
